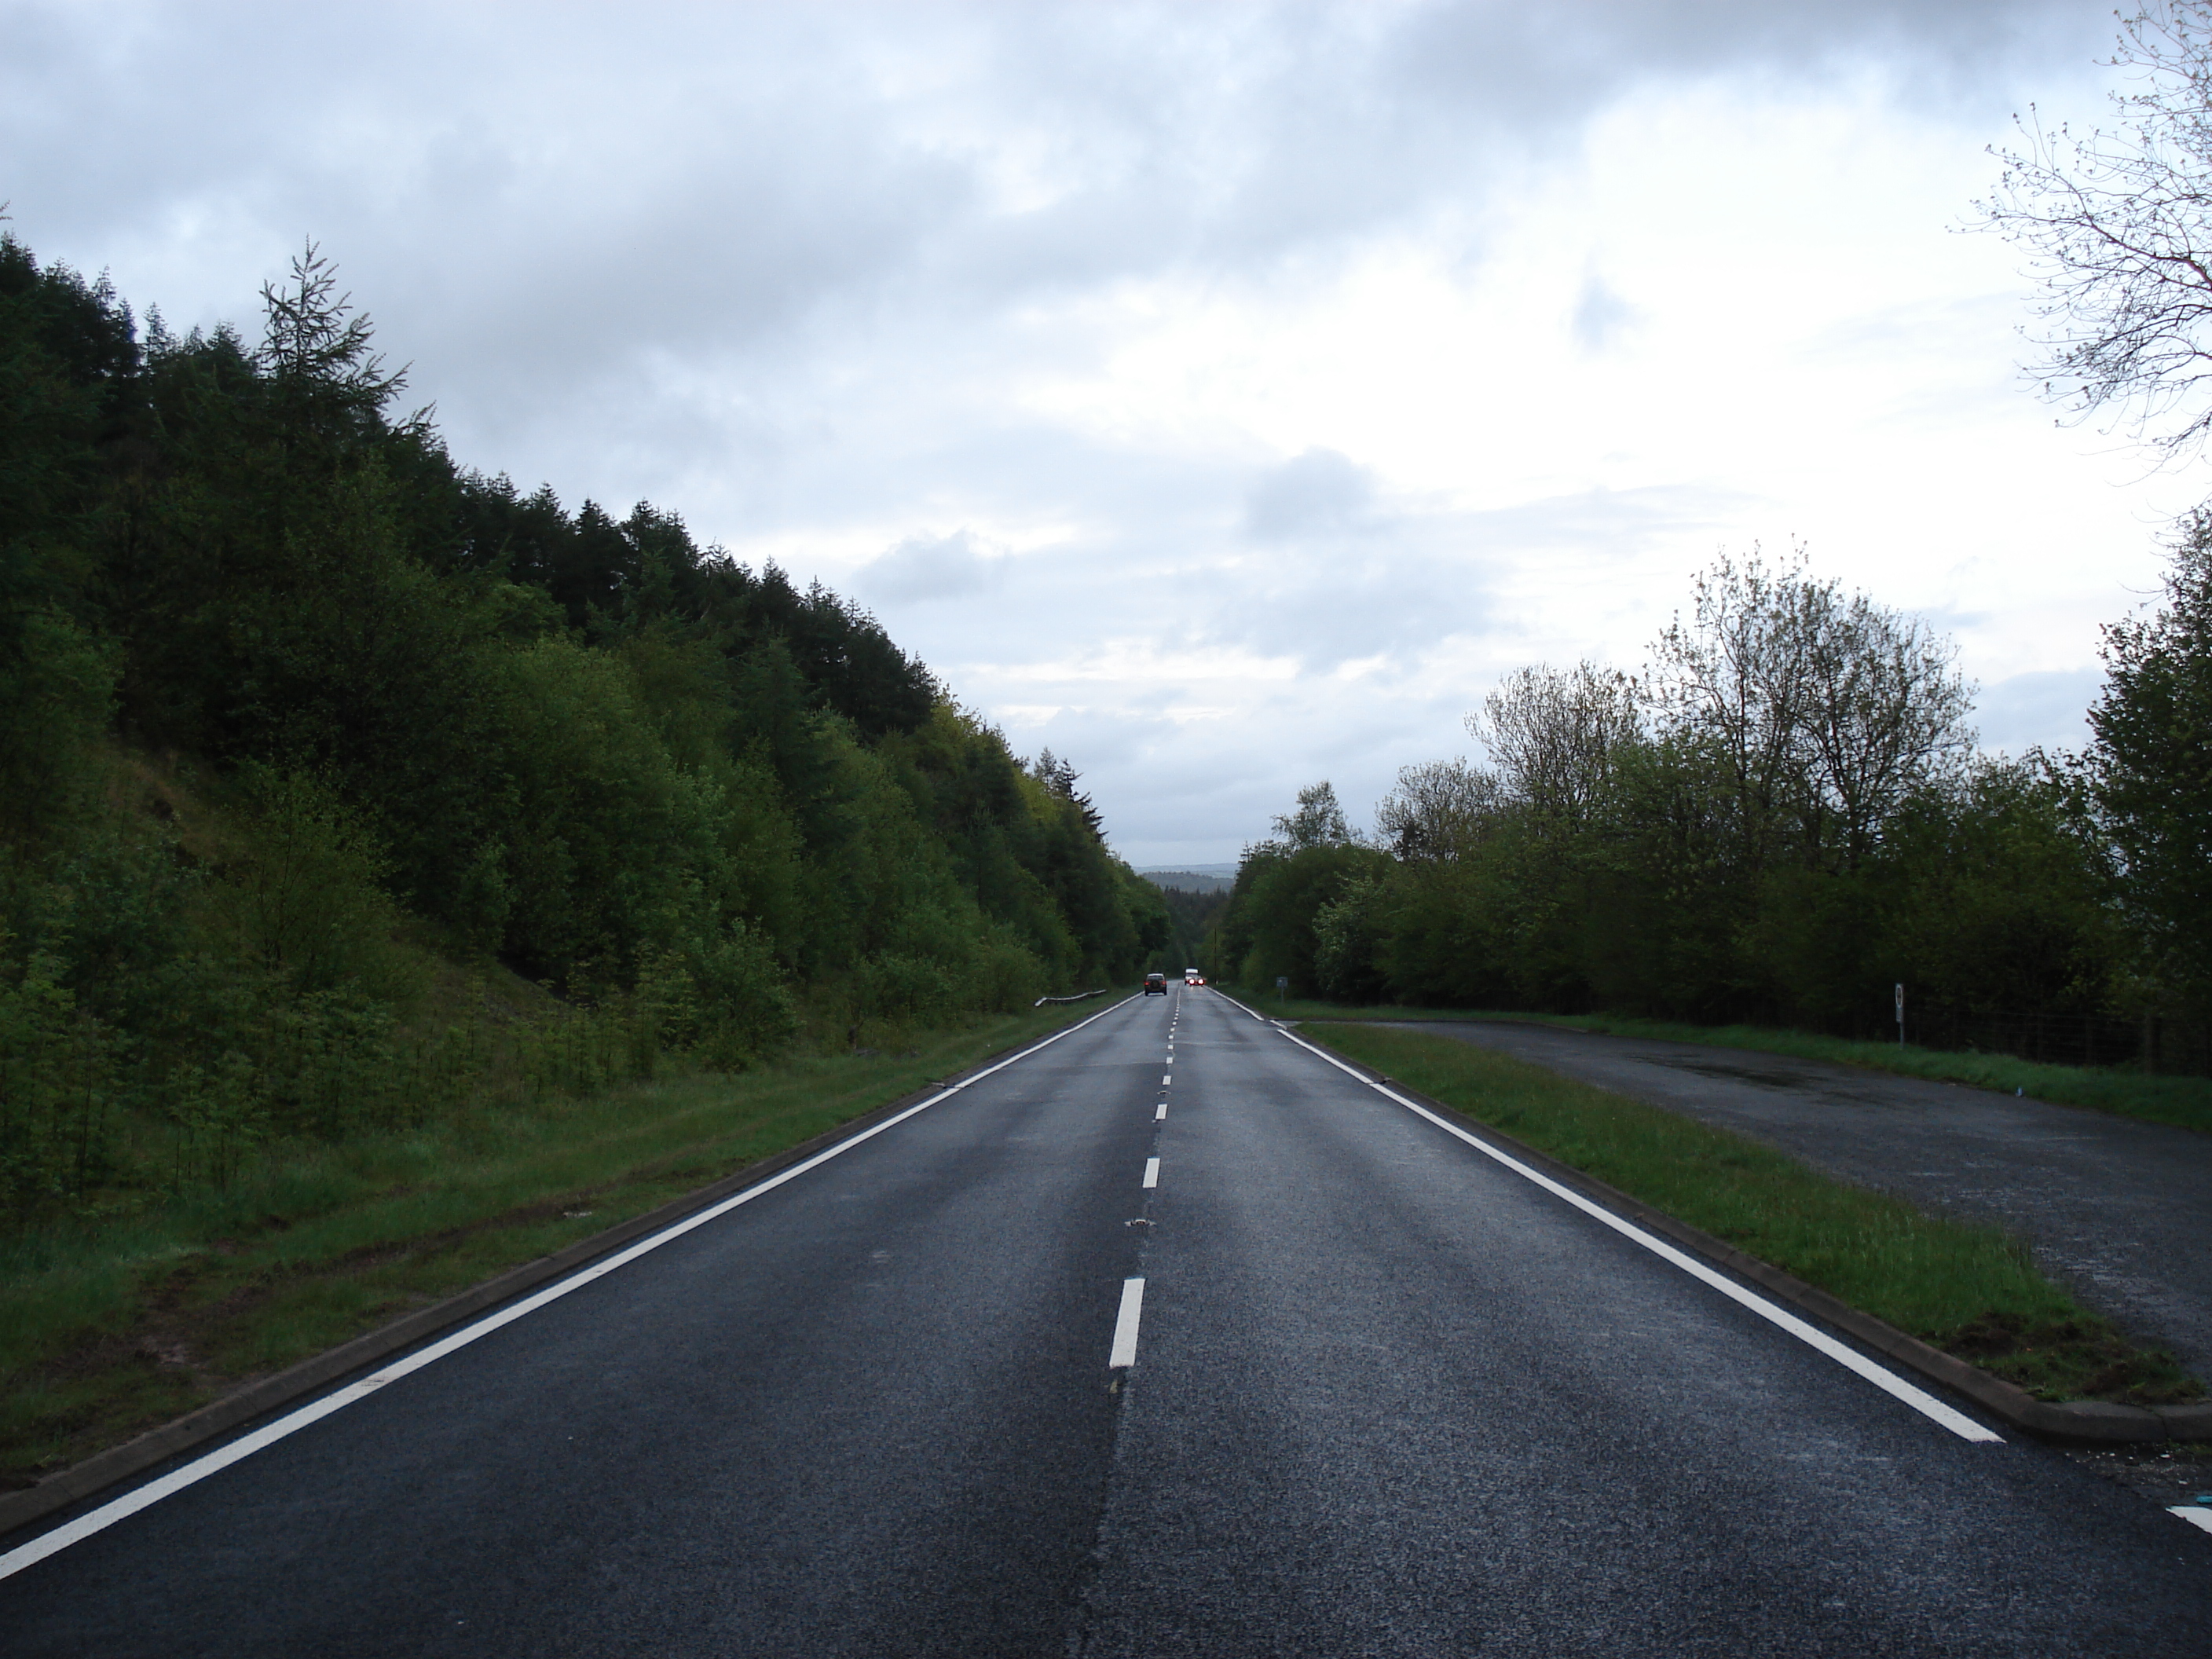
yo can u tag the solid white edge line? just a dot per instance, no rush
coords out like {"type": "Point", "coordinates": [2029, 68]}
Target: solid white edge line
{"type": "Point", "coordinates": [1125, 1325]}
{"type": "Point", "coordinates": [1849, 1359]}
{"type": "Point", "coordinates": [51, 1543]}
{"type": "Point", "coordinates": [1151, 1172]}
{"type": "Point", "coordinates": [2195, 1514]}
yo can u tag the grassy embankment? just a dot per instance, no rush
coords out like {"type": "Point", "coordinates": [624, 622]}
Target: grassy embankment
{"type": "Point", "coordinates": [2185, 1102]}
{"type": "Point", "coordinates": [106, 1332]}
{"type": "Point", "coordinates": [1967, 1290]}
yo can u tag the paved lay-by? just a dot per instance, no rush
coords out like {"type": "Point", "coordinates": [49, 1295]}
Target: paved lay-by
{"type": "Point", "coordinates": [1078, 1359]}
{"type": "Point", "coordinates": [2118, 1209]}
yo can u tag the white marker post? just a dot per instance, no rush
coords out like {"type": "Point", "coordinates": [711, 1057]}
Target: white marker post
{"type": "Point", "coordinates": [1900, 1015]}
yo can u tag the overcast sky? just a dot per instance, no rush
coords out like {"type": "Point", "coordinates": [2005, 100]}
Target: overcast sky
{"type": "Point", "coordinates": [1224, 396]}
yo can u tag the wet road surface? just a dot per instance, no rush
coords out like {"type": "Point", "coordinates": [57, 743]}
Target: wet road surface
{"type": "Point", "coordinates": [2119, 1210]}
{"type": "Point", "coordinates": [1386, 1397]}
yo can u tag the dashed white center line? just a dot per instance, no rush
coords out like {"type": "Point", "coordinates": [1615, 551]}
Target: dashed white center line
{"type": "Point", "coordinates": [1125, 1324]}
{"type": "Point", "coordinates": [1151, 1172]}
{"type": "Point", "coordinates": [1161, 1114]}
{"type": "Point", "coordinates": [1165, 1081]}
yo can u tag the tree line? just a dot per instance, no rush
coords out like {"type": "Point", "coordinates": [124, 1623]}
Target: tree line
{"type": "Point", "coordinates": [1780, 817]}
{"type": "Point", "coordinates": [1783, 815]}
{"type": "Point", "coordinates": [303, 722]}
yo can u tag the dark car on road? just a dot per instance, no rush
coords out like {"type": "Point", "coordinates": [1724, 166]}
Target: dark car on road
{"type": "Point", "coordinates": [1155, 983]}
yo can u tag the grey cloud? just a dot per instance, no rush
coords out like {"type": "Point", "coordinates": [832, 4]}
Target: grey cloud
{"type": "Point", "coordinates": [1517, 58]}
{"type": "Point", "coordinates": [1313, 494]}
{"type": "Point", "coordinates": [2046, 708]}
{"type": "Point", "coordinates": [1601, 318]}
{"type": "Point", "coordinates": [924, 568]}
{"type": "Point", "coordinates": [1399, 586]}
{"type": "Point", "coordinates": [1423, 577]}
{"type": "Point", "coordinates": [656, 251]}
{"type": "Point", "coordinates": [550, 202]}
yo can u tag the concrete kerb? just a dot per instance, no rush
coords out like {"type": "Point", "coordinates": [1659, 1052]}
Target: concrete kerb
{"type": "Point", "coordinates": [2077, 1421]}
{"type": "Point", "coordinates": [195, 1429]}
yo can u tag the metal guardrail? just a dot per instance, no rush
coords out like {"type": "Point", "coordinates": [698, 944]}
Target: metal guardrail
{"type": "Point", "coordinates": [1080, 996]}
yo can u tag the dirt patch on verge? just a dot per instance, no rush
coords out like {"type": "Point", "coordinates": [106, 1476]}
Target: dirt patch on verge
{"type": "Point", "coordinates": [171, 1357]}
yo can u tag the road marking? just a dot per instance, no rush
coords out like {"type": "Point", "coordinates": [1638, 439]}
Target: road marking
{"type": "Point", "coordinates": [1165, 1081]}
{"type": "Point", "coordinates": [1151, 1172]}
{"type": "Point", "coordinates": [1125, 1324]}
{"type": "Point", "coordinates": [2195, 1514]}
{"type": "Point", "coordinates": [145, 1496]}
{"type": "Point", "coordinates": [1880, 1375]}
{"type": "Point", "coordinates": [1161, 1115]}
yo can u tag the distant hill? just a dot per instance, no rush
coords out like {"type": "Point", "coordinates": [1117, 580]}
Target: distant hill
{"type": "Point", "coordinates": [1209, 878]}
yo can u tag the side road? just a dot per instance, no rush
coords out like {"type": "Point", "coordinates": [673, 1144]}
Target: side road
{"type": "Point", "coordinates": [2117, 1210]}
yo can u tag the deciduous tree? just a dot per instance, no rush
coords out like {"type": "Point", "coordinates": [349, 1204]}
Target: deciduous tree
{"type": "Point", "coordinates": [2117, 226]}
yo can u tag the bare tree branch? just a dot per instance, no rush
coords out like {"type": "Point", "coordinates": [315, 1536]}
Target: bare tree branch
{"type": "Point", "coordinates": [2118, 227]}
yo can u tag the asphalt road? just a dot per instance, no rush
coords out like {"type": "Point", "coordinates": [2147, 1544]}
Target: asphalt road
{"type": "Point", "coordinates": [2120, 1210]}
{"type": "Point", "coordinates": [1388, 1398]}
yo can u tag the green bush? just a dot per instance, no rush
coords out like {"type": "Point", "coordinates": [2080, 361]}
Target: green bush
{"type": "Point", "coordinates": [303, 888]}
{"type": "Point", "coordinates": [54, 1071]}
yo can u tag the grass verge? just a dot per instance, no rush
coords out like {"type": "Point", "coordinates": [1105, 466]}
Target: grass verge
{"type": "Point", "coordinates": [1969, 1291]}
{"type": "Point", "coordinates": [2184, 1102]}
{"type": "Point", "coordinates": [106, 1332]}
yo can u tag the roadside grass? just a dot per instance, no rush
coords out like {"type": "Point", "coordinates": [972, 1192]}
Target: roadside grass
{"type": "Point", "coordinates": [2184, 1102]}
{"type": "Point", "coordinates": [1969, 1291]}
{"type": "Point", "coordinates": [108, 1330]}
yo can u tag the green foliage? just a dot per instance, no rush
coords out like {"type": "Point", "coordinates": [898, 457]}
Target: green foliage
{"type": "Point", "coordinates": [302, 889]}
{"type": "Point", "coordinates": [1280, 910]}
{"type": "Point", "coordinates": [2149, 770]}
{"type": "Point", "coordinates": [724, 998]}
{"type": "Point", "coordinates": [305, 730]}
{"type": "Point", "coordinates": [1779, 821]}
{"type": "Point", "coordinates": [50, 1106]}
{"type": "Point", "coordinates": [57, 690]}
{"type": "Point", "coordinates": [1348, 934]}
{"type": "Point", "coordinates": [1191, 917]}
